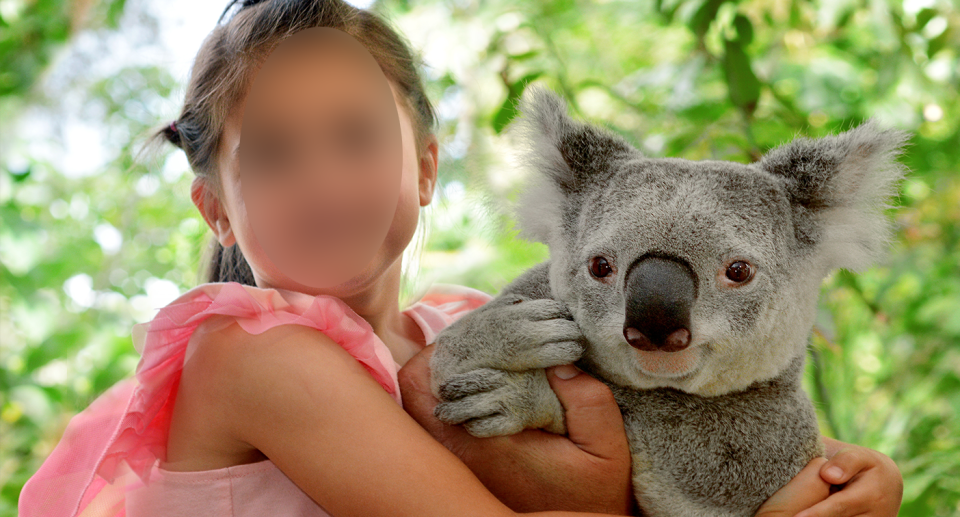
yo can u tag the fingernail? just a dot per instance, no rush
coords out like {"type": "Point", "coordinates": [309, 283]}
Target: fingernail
{"type": "Point", "coordinates": [835, 472]}
{"type": "Point", "coordinates": [566, 371]}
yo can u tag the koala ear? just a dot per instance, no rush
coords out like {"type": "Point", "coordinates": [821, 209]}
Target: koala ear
{"type": "Point", "coordinates": [566, 157]}
{"type": "Point", "coordinates": [838, 187]}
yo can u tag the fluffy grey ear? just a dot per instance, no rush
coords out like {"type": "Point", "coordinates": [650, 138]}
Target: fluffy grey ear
{"type": "Point", "coordinates": [566, 157]}
{"type": "Point", "coordinates": [839, 186]}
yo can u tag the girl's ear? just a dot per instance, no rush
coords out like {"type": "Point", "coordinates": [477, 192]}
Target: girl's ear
{"type": "Point", "coordinates": [428, 169]}
{"type": "Point", "coordinates": [209, 205]}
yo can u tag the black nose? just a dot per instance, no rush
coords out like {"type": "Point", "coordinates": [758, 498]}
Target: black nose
{"type": "Point", "coordinates": [660, 292]}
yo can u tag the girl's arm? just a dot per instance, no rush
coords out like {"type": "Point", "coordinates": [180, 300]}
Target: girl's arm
{"type": "Point", "coordinates": [311, 408]}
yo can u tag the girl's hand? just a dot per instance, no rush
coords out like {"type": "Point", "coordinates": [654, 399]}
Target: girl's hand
{"type": "Point", "coordinates": [869, 482]}
{"type": "Point", "coordinates": [589, 470]}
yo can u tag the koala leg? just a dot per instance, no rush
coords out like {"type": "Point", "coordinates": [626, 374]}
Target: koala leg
{"type": "Point", "coordinates": [491, 402]}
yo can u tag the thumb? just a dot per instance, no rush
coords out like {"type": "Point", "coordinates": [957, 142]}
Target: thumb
{"type": "Point", "coordinates": [803, 491]}
{"type": "Point", "coordinates": [594, 422]}
{"type": "Point", "coordinates": [414, 378]}
{"type": "Point", "coordinates": [418, 402]}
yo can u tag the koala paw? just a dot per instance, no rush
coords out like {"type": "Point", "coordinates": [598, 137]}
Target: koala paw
{"type": "Point", "coordinates": [510, 333]}
{"type": "Point", "coordinates": [490, 402]}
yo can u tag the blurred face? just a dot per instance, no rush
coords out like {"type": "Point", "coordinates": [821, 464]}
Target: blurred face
{"type": "Point", "coordinates": [321, 178]}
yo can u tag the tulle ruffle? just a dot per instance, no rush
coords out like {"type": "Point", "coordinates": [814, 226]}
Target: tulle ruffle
{"type": "Point", "coordinates": [111, 447]}
{"type": "Point", "coordinates": [126, 428]}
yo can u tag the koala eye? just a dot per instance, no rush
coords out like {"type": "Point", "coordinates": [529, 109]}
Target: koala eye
{"type": "Point", "coordinates": [599, 267]}
{"type": "Point", "coordinates": [739, 272]}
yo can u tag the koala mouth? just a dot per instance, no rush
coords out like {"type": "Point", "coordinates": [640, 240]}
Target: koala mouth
{"type": "Point", "coordinates": [669, 365]}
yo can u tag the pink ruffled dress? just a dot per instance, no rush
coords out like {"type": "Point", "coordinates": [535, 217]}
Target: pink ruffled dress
{"type": "Point", "coordinates": [107, 463]}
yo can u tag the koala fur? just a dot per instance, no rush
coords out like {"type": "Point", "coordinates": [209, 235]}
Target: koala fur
{"type": "Point", "coordinates": [706, 368]}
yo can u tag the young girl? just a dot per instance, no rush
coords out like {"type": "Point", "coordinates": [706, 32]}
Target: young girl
{"type": "Point", "coordinates": [257, 395]}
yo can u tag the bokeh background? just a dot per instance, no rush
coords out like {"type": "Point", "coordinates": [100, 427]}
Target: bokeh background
{"type": "Point", "coordinates": [94, 239]}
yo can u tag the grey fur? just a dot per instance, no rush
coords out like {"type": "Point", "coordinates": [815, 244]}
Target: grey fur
{"type": "Point", "coordinates": [717, 438]}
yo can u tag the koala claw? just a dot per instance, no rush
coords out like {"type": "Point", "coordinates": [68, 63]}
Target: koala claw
{"type": "Point", "coordinates": [471, 383]}
{"type": "Point", "coordinates": [513, 401]}
{"type": "Point", "coordinates": [547, 355]}
{"type": "Point", "coordinates": [467, 408]}
{"type": "Point", "coordinates": [493, 425]}
{"type": "Point", "coordinates": [542, 309]}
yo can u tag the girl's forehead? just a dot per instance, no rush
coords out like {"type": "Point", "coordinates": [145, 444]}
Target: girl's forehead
{"type": "Point", "coordinates": [321, 72]}
{"type": "Point", "coordinates": [319, 64]}
{"type": "Point", "coordinates": [321, 48]}
{"type": "Point", "coordinates": [234, 117]}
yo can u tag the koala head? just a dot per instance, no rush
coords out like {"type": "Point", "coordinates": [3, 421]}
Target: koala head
{"type": "Point", "coordinates": [698, 275]}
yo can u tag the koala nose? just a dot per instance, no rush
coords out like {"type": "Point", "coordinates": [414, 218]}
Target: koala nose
{"type": "Point", "coordinates": [660, 292]}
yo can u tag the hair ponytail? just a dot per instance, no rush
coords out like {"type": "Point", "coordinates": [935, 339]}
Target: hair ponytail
{"type": "Point", "coordinates": [172, 134]}
{"type": "Point", "coordinates": [228, 265]}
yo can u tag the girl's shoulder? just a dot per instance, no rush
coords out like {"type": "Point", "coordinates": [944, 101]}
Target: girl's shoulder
{"type": "Point", "coordinates": [215, 306]}
{"type": "Point", "coordinates": [125, 431]}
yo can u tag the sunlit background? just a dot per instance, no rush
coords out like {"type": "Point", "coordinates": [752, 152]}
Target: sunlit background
{"type": "Point", "coordinates": [93, 241]}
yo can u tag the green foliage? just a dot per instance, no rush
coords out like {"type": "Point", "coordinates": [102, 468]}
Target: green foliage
{"type": "Point", "coordinates": [85, 255]}
{"type": "Point", "coordinates": [33, 31]}
{"type": "Point", "coordinates": [730, 80]}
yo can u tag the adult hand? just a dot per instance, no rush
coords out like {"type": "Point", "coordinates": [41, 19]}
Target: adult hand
{"type": "Point", "coordinates": [851, 481]}
{"type": "Point", "coordinates": [870, 484]}
{"type": "Point", "coordinates": [803, 491]}
{"type": "Point", "coordinates": [587, 470]}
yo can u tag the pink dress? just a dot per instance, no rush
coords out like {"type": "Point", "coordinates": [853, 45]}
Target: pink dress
{"type": "Point", "coordinates": [107, 463]}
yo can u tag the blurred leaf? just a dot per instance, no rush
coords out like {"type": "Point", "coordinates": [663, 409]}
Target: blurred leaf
{"type": "Point", "coordinates": [702, 18]}
{"type": "Point", "coordinates": [924, 16]}
{"type": "Point", "coordinates": [744, 30]}
{"type": "Point", "coordinates": [744, 87]}
{"type": "Point", "coordinates": [114, 11]}
{"type": "Point", "coordinates": [938, 43]}
{"type": "Point", "coordinates": [667, 8]}
{"type": "Point", "coordinates": [509, 109]}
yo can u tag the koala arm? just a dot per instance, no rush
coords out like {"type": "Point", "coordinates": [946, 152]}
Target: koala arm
{"type": "Point", "coordinates": [487, 369]}
{"type": "Point", "coordinates": [521, 329]}
{"type": "Point", "coordinates": [534, 283]}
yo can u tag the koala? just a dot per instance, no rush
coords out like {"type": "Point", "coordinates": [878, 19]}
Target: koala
{"type": "Point", "coordinates": [688, 287]}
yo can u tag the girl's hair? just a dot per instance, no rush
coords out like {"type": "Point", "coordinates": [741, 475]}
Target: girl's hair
{"type": "Point", "coordinates": [227, 61]}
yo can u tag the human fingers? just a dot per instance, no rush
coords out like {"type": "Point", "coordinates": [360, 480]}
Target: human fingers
{"type": "Point", "coordinates": [419, 402]}
{"type": "Point", "coordinates": [593, 419]}
{"type": "Point", "coordinates": [803, 491]}
{"type": "Point", "coordinates": [846, 463]}
{"type": "Point", "coordinates": [844, 503]}
{"type": "Point", "coordinates": [872, 483]}
{"type": "Point", "coordinates": [856, 501]}
{"type": "Point", "coordinates": [414, 379]}
{"type": "Point", "coordinates": [847, 460]}
{"type": "Point", "coordinates": [832, 446]}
